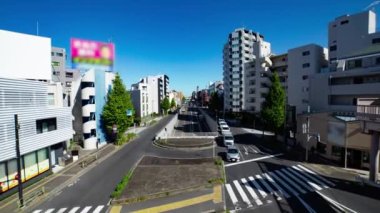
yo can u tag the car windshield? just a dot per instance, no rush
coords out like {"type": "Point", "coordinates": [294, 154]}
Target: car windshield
{"type": "Point", "coordinates": [229, 138]}
{"type": "Point", "coordinates": [232, 151]}
{"type": "Point", "coordinates": [225, 128]}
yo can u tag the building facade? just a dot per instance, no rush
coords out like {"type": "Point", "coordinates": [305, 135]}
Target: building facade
{"type": "Point", "coordinates": [140, 99]}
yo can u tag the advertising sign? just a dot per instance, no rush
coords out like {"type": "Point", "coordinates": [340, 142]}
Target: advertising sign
{"type": "Point", "coordinates": [86, 53]}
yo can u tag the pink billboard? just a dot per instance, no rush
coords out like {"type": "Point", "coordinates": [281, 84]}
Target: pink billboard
{"type": "Point", "coordinates": [91, 52]}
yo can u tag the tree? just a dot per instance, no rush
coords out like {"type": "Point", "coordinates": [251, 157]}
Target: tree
{"type": "Point", "coordinates": [165, 105]}
{"type": "Point", "coordinates": [216, 102]}
{"type": "Point", "coordinates": [116, 107]}
{"type": "Point", "coordinates": [172, 103]}
{"type": "Point", "coordinates": [273, 111]}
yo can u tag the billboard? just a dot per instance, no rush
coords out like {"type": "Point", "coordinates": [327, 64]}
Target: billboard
{"type": "Point", "coordinates": [87, 54]}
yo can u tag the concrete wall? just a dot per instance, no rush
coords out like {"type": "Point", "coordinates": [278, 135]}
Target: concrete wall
{"type": "Point", "coordinates": [169, 127]}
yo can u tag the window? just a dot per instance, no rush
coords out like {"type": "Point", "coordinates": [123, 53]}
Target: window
{"type": "Point", "coordinates": [46, 125]}
{"type": "Point", "coordinates": [69, 74]}
{"type": "Point", "coordinates": [336, 151]}
{"type": "Point", "coordinates": [306, 53]}
{"type": "Point", "coordinates": [344, 22]}
{"type": "Point", "coordinates": [55, 63]}
{"type": "Point", "coordinates": [305, 65]}
{"type": "Point", "coordinates": [333, 48]}
{"type": "Point", "coordinates": [378, 60]}
{"type": "Point", "coordinates": [376, 41]}
{"type": "Point", "coordinates": [304, 77]}
{"type": "Point", "coordinates": [3, 178]}
{"type": "Point", "coordinates": [43, 162]}
{"type": "Point", "coordinates": [352, 64]}
{"type": "Point", "coordinates": [51, 101]}
{"type": "Point", "coordinates": [59, 54]}
{"type": "Point", "coordinates": [52, 53]}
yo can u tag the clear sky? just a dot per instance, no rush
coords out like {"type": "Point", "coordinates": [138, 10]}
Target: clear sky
{"type": "Point", "coordinates": [181, 38]}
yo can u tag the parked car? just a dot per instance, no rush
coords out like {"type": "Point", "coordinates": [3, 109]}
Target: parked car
{"type": "Point", "coordinates": [232, 154]}
{"type": "Point", "coordinates": [228, 140]}
{"type": "Point", "coordinates": [221, 122]}
{"type": "Point", "coordinates": [224, 129]}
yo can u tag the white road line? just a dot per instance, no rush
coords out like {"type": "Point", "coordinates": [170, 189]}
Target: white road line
{"type": "Point", "coordinates": [297, 180]}
{"type": "Point", "coordinates": [231, 193]}
{"type": "Point", "coordinates": [49, 210]}
{"type": "Point", "coordinates": [242, 193]}
{"type": "Point", "coordinates": [257, 186]}
{"type": "Point", "coordinates": [251, 191]}
{"type": "Point", "coordinates": [37, 211]}
{"type": "Point", "coordinates": [253, 150]}
{"type": "Point", "coordinates": [245, 150]}
{"type": "Point", "coordinates": [98, 209]}
{"type": "Point", "coordinates": [251, 160]}
{"type": "Point", "coordinates": [339, 205]}
{"type": "Point", "coordinates": [61, 210]}
{"type": "Point", "coordinates": [266, 185]}
{"type": "Point", "coordinates": [290, 181]}
{"type": "Point", "coordinates": [241, 155]}
{"type": "Point", "coordinates": [314, 185]}
{"type": "Point", "coordinates": [283, 183]}
{"type": "Point", "coordinates": [73, 210]}
{"type": "Point", "coordinates": [311, 177]}
{"type": "Point", "coordinates": [279, 188]}
{"type": "Point", "coordinates": [317, 175]}
{"type": "Point", "coordinates": [308, 208]}
{"type": "Point", "coordinates": [86, 209]}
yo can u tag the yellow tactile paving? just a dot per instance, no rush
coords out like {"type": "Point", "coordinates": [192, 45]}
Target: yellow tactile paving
{"type": "Point", "coordinates": [116, 209]}
{"type": "Point", "coordinates": [216, 197]}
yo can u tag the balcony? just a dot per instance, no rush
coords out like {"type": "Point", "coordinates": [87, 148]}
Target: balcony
{"type": "Point", "coordinates": [368, 113]}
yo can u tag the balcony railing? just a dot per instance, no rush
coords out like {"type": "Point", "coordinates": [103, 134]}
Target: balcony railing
{"type": "Point", "coordinates": [368, 112]}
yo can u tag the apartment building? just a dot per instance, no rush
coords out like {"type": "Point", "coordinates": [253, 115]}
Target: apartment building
{"type": "Point", "coordinates": [140, 99]}
{"type": "Point", "coordinates": [45, 126]}
{"type": "Point", "coordinates": [236, 53]}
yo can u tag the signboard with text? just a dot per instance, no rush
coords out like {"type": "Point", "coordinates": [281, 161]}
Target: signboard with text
{"type": "Point", "coordinates": [87, 54]}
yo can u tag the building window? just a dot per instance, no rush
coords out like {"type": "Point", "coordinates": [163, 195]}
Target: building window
{"type": "Point", "coordinates": [55, 63]}
{"type": "Point", "coordinates": [30, 165]}
{"type": "Point", "coordinates": [376, 41]}
{"type": "Point", "coordinates": [352, 64]}
{"type": "Point", "coordinates": [333, 48]}
{"type": "Point", "coordinates": [305, 65]}
{"type": "Point", "coordinates": [3, 178]}
{"type": "Point", "coordinates": [344, 22]}
{"type": "Point", "coordinates": [306, 53]}
{"type": "Point", "coordinates": [51, 100]}
{"type": "Point", "coordinates": [336, 151]}
{"type": "Point", "coordinates": [59, 54]}
{"type": "Point", "coordinates": [46, 125]}
{"type": "Point", "coordinates": [43, 161]}
{"type": "Point", "coordinates": [304, 77]}
{"type": "Point", "coordinates": [69, 74]}
{"type": "Point", "coordinates": [52, 53]}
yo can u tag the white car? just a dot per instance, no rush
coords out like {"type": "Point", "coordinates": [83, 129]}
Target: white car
{"type": "Point", "coordinates": [221, 122]}
{"type": "Point", "coordinates": [232, 154]}
{"type": "Point", "coordinates": [224, 129]}
{"type": "Point", "coordinates": [228, 140]}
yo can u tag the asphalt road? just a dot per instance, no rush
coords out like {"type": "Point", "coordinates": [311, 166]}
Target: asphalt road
{"type": "Point", "coordinates": [92, 190]}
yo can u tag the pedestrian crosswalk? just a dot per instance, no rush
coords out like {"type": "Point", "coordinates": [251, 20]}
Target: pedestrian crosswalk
{"type": "Point", "coordinates": [281, 183]}
{"type": "Point", "coordinates": [76, 209]}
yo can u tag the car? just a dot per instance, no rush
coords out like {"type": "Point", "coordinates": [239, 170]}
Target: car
{"type": "Point", "coordinates": [224, 129]}
{"type": "Point", "coordinates": [228, 140]}
{"type": "Point", "coordinates": [232, 154]}
{"type": "Point", "coordinates": [221, 122]}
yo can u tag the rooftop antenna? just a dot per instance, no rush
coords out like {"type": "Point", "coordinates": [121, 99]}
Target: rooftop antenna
{"type": "Point", "coordinates": [37, 28]}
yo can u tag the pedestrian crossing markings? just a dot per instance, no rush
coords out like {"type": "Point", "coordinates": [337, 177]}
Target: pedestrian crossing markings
{"type": "Point", "coordinates": [282, 183]}
{"type": "Point", "coordinates": [76, 209]}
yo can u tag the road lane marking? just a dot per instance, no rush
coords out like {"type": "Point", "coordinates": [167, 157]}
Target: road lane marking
{"type": "Point", "coordinates": [245, 150]}
{"type": "Point", "coordinates": [311, 177]}
{"type": "Point", "coordinates": [49, 210]}
{"type": "Point", "coordinates": [290, 181]}
{"type": "Point", "coordinates": [37, 211]}
{"type": "Point", "coordinates": [231, 193]}
{"type": "Point", "coordinates": [308, 208]}
{"type": "Point", "coordinates": [317, 175]}
{"type": "Point", "coordinates": [339, 205]}
{"type": "Point", "coordinates": [252, 160]}
{"type": "Point", "coordinates": [266, 185]}
{"type": "Point", "coordinates": [297, 180]}
{"type": "Point", "coordinates": [98, 209]}
{"type": "Point", "coordinates": [61, 210]}
{"type": "Point", "coordinates": [257, 186]}
{"type": "Point", "coordinates": [315, 186]}
{"type": "Point", "coordinates": [242, 193]}
{"type": "Point", "coordinates": [279, 188]}
{"type": "Point", "coordinates": [283, 183]}
{"type": "Point", "coordinates": [75, 209]}
{"type": "Point", "coordinates": [86, 209]}
{"type": "Point", "coordinates": [252, 192]}
{"type": "Point", "coordinates": [253, 150]}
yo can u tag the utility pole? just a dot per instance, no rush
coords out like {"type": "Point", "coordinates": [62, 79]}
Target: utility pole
{"type": "Point", "coordinates": [20, 194]}
{"type": "Point", "coordinates": [307, 135]}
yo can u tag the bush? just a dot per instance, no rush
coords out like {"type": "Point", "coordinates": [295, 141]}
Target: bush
{"type": "Point", "coordinates": [121, 186]}
{"type": "Point", "coordinates": [122, 139]}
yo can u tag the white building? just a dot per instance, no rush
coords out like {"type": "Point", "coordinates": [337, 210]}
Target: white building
{"type": "Point", "coordinates": [140, 99]}
{"type": "Point", "coordinates": [45, 126]}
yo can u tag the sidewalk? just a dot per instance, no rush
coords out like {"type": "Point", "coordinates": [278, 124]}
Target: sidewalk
{"type": "Point", "coordinates": [56, 181]}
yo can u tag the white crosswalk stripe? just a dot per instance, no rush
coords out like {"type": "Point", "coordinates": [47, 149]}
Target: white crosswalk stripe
{"type": "Point", "coordinates": [267, 186]}
{"type": "Point", "coordinates": [76, 209]}
{"type": "Point", "coordinates": [61, 210]}
{"type": "Point", "coordinates": [242, 193]}
{"type": "Point", "coordinates": [37, 211]}
{"type": "Point", "coordinates": [257, 186]}
{"type": "Point", "coordinates": [279, 188]}
{"type": "Point", "coordinates": [231, 193]}
{"type": "Point", "coordinates": [49, 210]}
{"type": "Point", "coordinates": [98, 209]}
{"type": "Point", "coordinates": [86, 209]}
{"type": "Point", "coordinates": [251, 191]}
{"type": "Point", "coordinates": [282, 183]}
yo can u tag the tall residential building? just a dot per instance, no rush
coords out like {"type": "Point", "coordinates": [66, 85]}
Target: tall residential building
{"type": "Point", "coordinates": [236, 53]}
{"type": "Point", "coordinates": [44, 124]}
{"type": "Point", "coordinates": [140, 99]}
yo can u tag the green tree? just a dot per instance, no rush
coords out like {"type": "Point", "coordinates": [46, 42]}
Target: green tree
{"type": "Point", "coordinates": [172, 103]}
{"type": "Point", "coordinates": [115, 109]}
{"type": "Point", "coordinates": [216, 102]}
{"type": "Point", "coordinates": [165, 105]}
{"type": "Point", "coordinates": [273, 111]}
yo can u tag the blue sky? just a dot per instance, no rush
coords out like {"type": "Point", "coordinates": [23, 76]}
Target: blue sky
{"type": "Point", "coordinates": [181, 38]}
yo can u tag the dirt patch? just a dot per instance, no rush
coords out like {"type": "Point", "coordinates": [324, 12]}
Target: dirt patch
{"type": "Point", "coordinates": [185, 142]}
{"type": "Point", "coordinates": [155, 176]}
